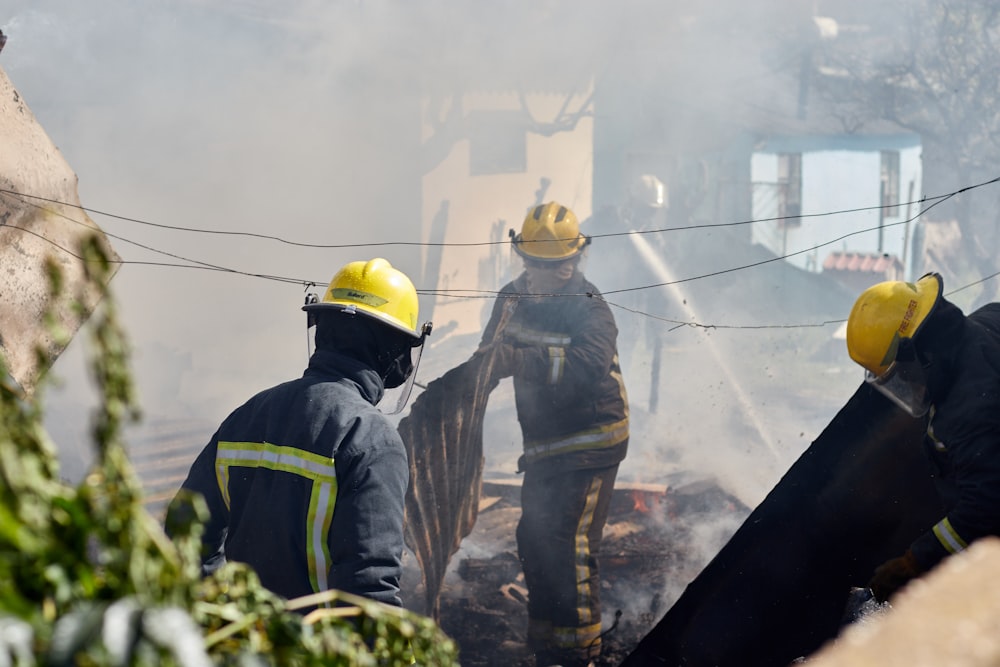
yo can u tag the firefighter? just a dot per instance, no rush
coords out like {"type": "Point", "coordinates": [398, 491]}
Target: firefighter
{"type": "Point", "coordinates": [557, 340]}
{"type": "Point", "coordinates": [644, 211]}
{"type": "Point", "coordinates": [305, 481]}
{"type": "Point", "coordinates": [942, 366]}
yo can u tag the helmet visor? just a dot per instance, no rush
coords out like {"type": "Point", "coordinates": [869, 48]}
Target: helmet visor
{"type": "Point", "coordinates": [905, 384]}
{"type": "Point", "coordinates": [395, 398]}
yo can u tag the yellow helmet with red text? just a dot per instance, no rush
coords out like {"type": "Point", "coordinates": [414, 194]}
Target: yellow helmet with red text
{"type": "Point", "coordinates": [885, 314]}
{"type": "Point", "coordinates": [550, 232]}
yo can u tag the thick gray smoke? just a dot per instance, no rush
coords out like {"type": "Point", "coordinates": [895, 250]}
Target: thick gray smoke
{"type": "Point", "coordinates": [322, 123]}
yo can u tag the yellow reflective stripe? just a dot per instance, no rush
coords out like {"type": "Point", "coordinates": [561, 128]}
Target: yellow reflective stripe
{"type": "Point", "coordinates": [528, 336]}
{"type": "Point", "coordinates": [277, 457]}
{"type": "Point", "coordinates": [600, 437]}
{"type": "Point", "coordinates": [315, 467]}
{"type": "Point", "coordinates": [938, 445]}
{"type": "Point", "coordinates": [557, 362]}
{"type": "Point", "coordinates": [582, 550]}
{"type": "Point", "coordinates": [949, 539]}
{"type": "Point", "coordinates": [616, 374]}
{"type": "Point", "coordinates": [222, 478]}
{"type": "Point", "coordinates": [321, 503]}
{"type": "Point", "coordinates": [588, 635]}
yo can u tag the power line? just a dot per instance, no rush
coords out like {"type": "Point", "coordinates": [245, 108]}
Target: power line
{"type": "Point", "coordinates": [678, 324]}
{"type": "Point", "coordinates": [938, 200]}
{"type": "Point", "coordinates": [490, 294]}
{"type": "Point", "coordinates": [193, 263]}
{"type": "Point", "coordinates": [327, 246]}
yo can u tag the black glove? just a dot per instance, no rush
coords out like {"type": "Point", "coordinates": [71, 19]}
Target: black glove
{"type": "Point", "coordinates": [510, 359]}
{"type": "Point", "coordinates": [507, 359]}
{"type": "Point", "coordinates": [893, 574]}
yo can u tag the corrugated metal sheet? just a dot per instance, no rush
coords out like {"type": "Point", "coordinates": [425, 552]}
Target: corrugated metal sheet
{"type": "Point", "coordinates": [860, 270]}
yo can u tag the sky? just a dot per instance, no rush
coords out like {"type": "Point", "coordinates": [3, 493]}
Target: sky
{"type": "Point", "coordinates": [280, 120]}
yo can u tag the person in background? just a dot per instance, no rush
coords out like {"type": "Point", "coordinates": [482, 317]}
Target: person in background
{"type": "Point", "coordinates": [305, 482]}
{"type": "Point", "coordinates": [553, 334]}
{"type": "Point", "coordinates": [940, 365]}
{"type": "Point", "coordinates": [631, 227]}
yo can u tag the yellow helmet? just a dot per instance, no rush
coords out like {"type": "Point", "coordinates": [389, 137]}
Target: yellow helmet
{"type": "Point", "coordinates": [551, 232]}
{"type": "Point", "coordinates": [886, 313]}
{"type": "Point", "coordinates": [376, 290]}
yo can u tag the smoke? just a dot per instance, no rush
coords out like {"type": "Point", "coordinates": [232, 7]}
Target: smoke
{"type": "Point", "coordinates": [302, 120]}
{"type": "Point", "coordinates": [689, 547]}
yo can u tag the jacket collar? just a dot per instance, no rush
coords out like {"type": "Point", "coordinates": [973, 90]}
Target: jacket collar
{"type": "Point", "coordinates": [331, 365]}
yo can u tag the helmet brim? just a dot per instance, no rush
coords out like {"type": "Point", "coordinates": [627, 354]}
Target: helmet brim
{"type": "Point", "coordinates": [354, 309]}
{"type": "Point", "coordinates": [930, 288]}
{"type": "Point", "coordinates": [517, 242]}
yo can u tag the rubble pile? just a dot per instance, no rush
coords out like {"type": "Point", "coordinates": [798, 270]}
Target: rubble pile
{"type": "Point", "coordinates": [656, 540]}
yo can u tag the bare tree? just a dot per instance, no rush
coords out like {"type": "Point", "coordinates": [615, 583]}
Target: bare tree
{"type": "Point", "coordinates": [931, 66]}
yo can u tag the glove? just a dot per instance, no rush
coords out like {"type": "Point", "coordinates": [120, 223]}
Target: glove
{"type": "Point", "coordinates": [507, 359]}
{"type": "Point", "coordinates": [893, 574]}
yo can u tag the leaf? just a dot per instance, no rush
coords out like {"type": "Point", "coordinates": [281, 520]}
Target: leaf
{"type": "Point", "coordinates": [16, 638]}
{"type": "Point", "coordinates": [121, 630]}
{"type": "Point", "coordinates": [73, 633]}
{"type": "Point", "coordinates": [174, 629]}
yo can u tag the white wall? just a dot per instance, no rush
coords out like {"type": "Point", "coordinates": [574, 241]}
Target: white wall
{"type": "Point", "coordinates": [833, 183]}
{"type": "Point", "coordinates": [479, 205]}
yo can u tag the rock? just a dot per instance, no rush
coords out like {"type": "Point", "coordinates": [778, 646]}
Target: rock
{"type": "Point", "coordinates": [950, 617]}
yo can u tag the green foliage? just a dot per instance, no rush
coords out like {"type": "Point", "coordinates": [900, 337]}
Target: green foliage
{"type": "Point", "coordinates": [89, 578]}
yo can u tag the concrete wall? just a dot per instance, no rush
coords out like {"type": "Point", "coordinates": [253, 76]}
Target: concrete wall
{"type": "Point", "coordinates": [460, 207]}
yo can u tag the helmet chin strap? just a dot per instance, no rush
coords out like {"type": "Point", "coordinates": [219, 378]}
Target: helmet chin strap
{"type": "Point", "coordinates": [311, 298]}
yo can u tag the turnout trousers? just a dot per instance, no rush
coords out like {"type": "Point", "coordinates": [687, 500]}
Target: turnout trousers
{"type": "Point", "coordinates": [562, 518]}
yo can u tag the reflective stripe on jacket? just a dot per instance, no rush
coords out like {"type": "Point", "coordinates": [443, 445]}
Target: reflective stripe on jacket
{"type": "Point", "coordinates": [572, 400]}
{"type": "Point", "coordinates": [321, 473]}
{"type": "Point", "coordinates": [279, 466]}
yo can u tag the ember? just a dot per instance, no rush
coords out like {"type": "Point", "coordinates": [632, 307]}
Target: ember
{"type": "Point", "coordinates": [653, 546]}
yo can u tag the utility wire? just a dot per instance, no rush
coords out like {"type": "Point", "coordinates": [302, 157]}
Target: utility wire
{"type": "Point", "coordinates": [490, 294]}
{"type": "Point", "coordinates": [193, 263]}
{"type": "Point", "coordinates": [279, 239]}
{"type": "Point", "coordinates": [697, 325]}
{"type": "Point", "coordinates": [468, 293]}
{"type": "Point", "coordinates": [938, 200]}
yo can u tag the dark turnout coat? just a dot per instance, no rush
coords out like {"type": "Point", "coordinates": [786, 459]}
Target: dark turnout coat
{"type": "Point", "coordinates": [963, 434]}
{"type": "Point", "coordinates": [305, 482]}
{"type": "Point", "coordinates": [862, 493]}
{"type": "Point", "coordinates": [570, 397]}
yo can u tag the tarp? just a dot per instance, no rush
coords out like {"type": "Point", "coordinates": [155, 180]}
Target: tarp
{"type": "Point", "coordinates": [443, 434]}
{"type": "Point", "coordinates": [777, 590]}
{"type": "Point", "coordinates": [40, 217]}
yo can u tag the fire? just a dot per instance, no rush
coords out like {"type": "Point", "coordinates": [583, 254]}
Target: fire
{"type": "Point", "coordinates": [639, 502]}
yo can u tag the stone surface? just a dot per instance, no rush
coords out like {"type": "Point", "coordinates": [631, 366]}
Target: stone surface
{"type": "Point", "coordinates": [40, 218]}
{"type": "Point", "coordinates": [949, 617]}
